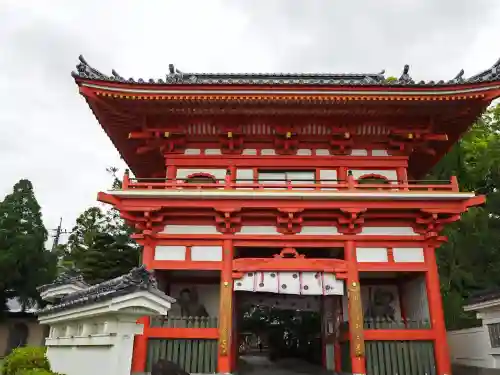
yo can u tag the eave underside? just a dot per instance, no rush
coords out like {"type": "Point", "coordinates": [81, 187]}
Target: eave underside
{"type": "Point", "coordinates": [121, 116]}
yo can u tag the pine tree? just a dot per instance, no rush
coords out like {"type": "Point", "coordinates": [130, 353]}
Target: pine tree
{"type": "Point", "coordinates": [100, 246]}
{"type": "Point", "coordinates": [24, 261]}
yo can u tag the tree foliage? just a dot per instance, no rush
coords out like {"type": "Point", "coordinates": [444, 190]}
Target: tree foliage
{"type": "Point", "coordinates": [100, 245]}
{"type": "Point", "coordinates": [24, 261]}
{"type": "Point", "coordinates": [470, 260]}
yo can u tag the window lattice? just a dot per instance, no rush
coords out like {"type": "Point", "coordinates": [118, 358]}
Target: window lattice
{"type": "Point", "coordinates": [494, 331]}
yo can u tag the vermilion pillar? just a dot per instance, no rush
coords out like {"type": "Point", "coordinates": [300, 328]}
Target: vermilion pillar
{"type": "Point", "coordinates": [436, 313]}
{"type": "Point", "coordinates": [226, 309]}
{"type": "Point", "coordinates": [141, 341]}
{"type": "Point", "coordinates": [355, 311]}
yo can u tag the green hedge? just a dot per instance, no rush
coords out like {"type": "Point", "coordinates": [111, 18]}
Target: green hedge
{"type": "Point", "coordinates": [28, 360]}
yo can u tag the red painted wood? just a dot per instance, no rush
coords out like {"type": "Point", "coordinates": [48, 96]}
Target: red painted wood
{"type": "Point", "coordinates": [185, 265]}
{"type": "Point", "coordinates": [441, 350]}
{"type": "Point", "coordinates": [399, 334]}
{"type": "Point", "coordinates": [358, 363]}
{"type": "Point", "coordinates": [394, 267]}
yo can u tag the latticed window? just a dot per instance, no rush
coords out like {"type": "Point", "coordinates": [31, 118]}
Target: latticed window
{"type": "Point", "coordinates": [200, 179]}
{"type": "Point", "coordinates": [369, 180]}
{"type": "Point", "coordinates": [494, 331]}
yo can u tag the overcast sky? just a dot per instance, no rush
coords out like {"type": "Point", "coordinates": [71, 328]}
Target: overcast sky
{"type": "Point", "coordinates": [48, 134]}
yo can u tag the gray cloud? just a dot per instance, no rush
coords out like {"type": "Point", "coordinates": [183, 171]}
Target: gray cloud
{"type": "Point", "coordinates": [48, 134]}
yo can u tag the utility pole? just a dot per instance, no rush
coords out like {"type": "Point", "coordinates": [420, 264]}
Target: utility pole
{"type": "Point", "coordinates": [57, 235]}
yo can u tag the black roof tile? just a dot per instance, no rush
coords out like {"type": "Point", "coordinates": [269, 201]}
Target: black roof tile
{"type": "Point", "coordinates": [137, 279]}
{"type": "Point", "coordinates": [175, 76]}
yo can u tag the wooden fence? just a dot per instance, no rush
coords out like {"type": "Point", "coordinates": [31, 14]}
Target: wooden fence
{"type": "Point", "coordinates": [194, 356]}
{"type": "Point", "coordinates": [184, 322]}
{"type": "Point", "coordinates": [394, 358]}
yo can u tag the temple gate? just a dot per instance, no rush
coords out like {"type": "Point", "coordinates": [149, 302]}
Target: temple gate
{"type": "Point", "coordinates": [303, 185]}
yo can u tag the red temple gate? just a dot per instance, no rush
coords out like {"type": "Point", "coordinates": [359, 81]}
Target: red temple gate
{"type": "Point", "coordinates": [226, 165]}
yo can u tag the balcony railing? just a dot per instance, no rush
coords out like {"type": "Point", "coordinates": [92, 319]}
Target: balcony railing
{"type": "Point", "coordinates": [349, 185]}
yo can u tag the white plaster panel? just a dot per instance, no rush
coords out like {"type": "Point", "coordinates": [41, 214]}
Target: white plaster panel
{"type": "Point", "coordinates": [170, 252]}
{"type": "Point", "coordinates": [380, 153]}
{"type": "Point", "coordinates": [183, 173]}
{"type": "Point", "coordinates": [289, 283]}
{"type": "Point", "coordinates": [213, 151]}
{"type": "Point", "coordinates": [246, 283]}
{"type": "Point", "coordinates": [249, 151]}
{"type": "Point", "coordinates": [359, 152]}
{"type": "Point", "coordinates": [304, 152]}
{"type": "Point", "coordinates": [388, 231]}
{"type": "Point", "coordinates": [318, 230]}
{"type": "Point", "coordinates": [258, 229]}
{"type": "Point", "coordinates": [192, 151]}
{"type": "Point", "coordinates": [328, 174]}
{"type": "Point", "coordinates": [390, 174]}
{"type": "Point", "coordinates": [272, 178]}
{"type": "Point", "coordinates": [206, 253]}
{"type": "Point", "coordinates": [208, 296]}
{"type": "Point", "coordinates": [267, 282]}
{"type": "Point", "coordinates": [300, 177]}
{"type": "Point", "coordinates": [244, 174]}
{"type": "Point", "coordinates": [268, 152]}
{"type": "Point", "coordinates": [371, 254]}
{"type": "Point", "coordinates": [190, 229]}
{"type": "Point", "coordinates": [312, 283]}
{"type": "Point", "coordinates": [408, 254]}
{"type": "Point", "coordinates": [332, 286]}
{"type": "Point", "coordinates": [322, 152]}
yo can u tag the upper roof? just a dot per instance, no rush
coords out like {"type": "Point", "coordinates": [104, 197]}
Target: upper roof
{"type": "Point", "coordinates": [200, 107]}
{"type": "Point", "coordinates": [176, 77]}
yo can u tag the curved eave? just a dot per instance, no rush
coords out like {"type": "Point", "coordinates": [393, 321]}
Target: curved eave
{"type": "Point", "coordinates": [487, 90]}
{"type": "Point", "coordinates": [112, 195]}
{"type": "Point", "coordinates": [140, 166]}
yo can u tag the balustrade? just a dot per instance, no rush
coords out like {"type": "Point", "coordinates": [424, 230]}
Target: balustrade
{"type": "Point", "coordinates": [347, 185]}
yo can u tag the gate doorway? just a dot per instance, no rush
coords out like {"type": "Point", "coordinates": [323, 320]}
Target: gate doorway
{"type": "Point", "coordinates": [280, 327]}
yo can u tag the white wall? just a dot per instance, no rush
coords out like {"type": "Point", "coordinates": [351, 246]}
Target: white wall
{"type": "Point", "coordinates": [82, 360]}
{"type": "Point", "coordinates": [471, 347]}
{"type": "Point", "coordinates": [208, 295]}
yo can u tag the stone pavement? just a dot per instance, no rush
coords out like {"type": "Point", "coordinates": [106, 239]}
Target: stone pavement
{"type": "Point", "coordinates": [261, 365]}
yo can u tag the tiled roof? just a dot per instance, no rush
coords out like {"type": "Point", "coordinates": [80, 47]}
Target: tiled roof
{"type": "Point", "coordinates": [136, 280]}
{"type": "Point", "coordinates": [483, 296]}
{"type": "Point", "coordinates": [69, 276]}
{"type": "Point", "coordinates": [176, 77]}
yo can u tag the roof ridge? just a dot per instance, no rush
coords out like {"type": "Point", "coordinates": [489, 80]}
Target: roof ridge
{"type": "Point", "coordinates": [175, 76]}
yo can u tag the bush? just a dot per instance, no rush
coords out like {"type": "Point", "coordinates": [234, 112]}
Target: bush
{"type": "Point", "coordinates": [34, 371]}
{"type": "Point", "coordinates": [26, 358]}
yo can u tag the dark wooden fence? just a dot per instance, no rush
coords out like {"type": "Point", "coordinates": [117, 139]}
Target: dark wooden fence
{"type": "Point", "coordinates": [183, 322]}
{"type": "Point", "coordinates": [194, 356]}
{"type": "Point", "coordinates": [394, 358]}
